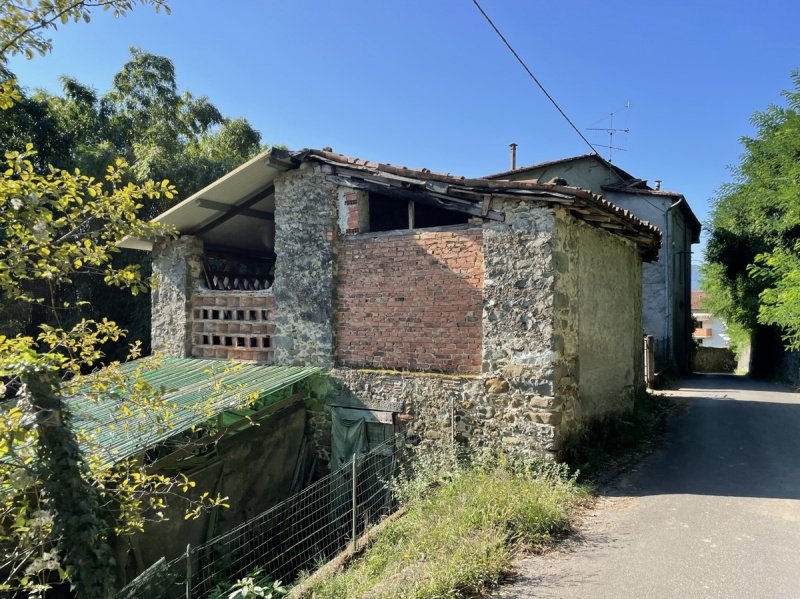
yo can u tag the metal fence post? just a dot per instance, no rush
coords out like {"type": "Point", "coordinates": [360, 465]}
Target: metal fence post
{"type": "Point", "coordinates": [189, 571]}
{"type": "Point", "coordinates": [355, 506]}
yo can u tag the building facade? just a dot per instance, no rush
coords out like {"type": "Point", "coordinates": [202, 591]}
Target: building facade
{"type": "Point", "coordinates": [666, 284]}
{"type": "Point", "coordinates": [493, 312]}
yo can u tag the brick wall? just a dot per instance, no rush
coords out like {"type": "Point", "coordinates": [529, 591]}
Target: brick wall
{"type": "Point", "coordinates": [233, 325]}
{"type": "Point", "coordinates": [411, 300]}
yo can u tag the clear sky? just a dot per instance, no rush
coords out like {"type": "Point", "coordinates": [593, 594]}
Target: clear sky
{"type": "Point", "coordinates": [428, 83]}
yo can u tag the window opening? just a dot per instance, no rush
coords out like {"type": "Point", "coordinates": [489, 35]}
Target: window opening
{"type": "Point", "coordinates": [390, 214]}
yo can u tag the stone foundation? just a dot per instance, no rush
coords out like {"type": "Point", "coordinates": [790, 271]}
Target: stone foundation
{"type": "Point", "coordinates": [472, 410]}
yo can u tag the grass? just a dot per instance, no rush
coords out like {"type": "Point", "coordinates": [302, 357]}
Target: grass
{"type": "Point", "coordinates": [460, 538]}
{"type": "Point", "coordinates": [606, 441]}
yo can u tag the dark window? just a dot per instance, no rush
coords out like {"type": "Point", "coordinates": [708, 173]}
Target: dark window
{"type": "Point", "coordinates": [387, 214]}
{"type": "Point", "coordinates": [430, 216]}
{"type": "Point", "coordinates": [391, 214]}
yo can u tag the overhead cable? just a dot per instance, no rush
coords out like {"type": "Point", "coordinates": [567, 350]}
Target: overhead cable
{"type": "Point", "coordinates": [532, 76]}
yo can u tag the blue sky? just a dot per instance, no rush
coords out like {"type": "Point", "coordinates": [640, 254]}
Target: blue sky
{"type": "Point", "coordinates": [428, 83]}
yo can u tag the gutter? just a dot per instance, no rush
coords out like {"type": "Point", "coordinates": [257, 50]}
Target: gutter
{"type": "Point", "coordinates": [667, 276]}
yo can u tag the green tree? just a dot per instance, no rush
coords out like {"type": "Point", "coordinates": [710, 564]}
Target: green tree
{"type": "Point", "coordinates": [753, 253]}
{"type": "Point", "coordinates": [163, 132]}
{"type": "Point", "coordinates": [61, 502]}
{"type": "Point", "coordinates": [25, 22]}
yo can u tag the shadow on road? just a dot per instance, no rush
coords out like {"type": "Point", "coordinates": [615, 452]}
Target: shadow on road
{"type": "Point", "coordinates": [738, 438]}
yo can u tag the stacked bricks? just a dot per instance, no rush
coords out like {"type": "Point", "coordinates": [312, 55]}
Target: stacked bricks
{"type": "Point", "coordinates": [411, 300]}
{"type": "Point", "coordinates": [351, 205]}
{"type": "Point", "coordinates": [233, 325]}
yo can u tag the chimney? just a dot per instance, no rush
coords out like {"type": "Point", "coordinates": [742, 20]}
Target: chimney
{"type": "Point", "coordinates": [658, 184]}
{"type": "Point", "coordinates": [513, 156]}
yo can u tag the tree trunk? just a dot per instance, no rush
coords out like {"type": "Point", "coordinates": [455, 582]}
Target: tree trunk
{"type": "Point", "coordinates": [79, 530]}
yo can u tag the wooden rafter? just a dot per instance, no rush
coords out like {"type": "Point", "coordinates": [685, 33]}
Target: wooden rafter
{"type": "Point", "coordinates": [235, 209]}
{"type": "Point", "coordinates": [220, 207]}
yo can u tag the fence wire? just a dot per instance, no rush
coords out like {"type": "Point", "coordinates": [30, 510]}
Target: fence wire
{"type": "Point", "coordinates": [299, 534]}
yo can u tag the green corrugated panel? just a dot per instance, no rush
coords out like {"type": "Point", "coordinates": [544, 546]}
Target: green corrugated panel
{"type": "Point", "coordinates": [187, 384]}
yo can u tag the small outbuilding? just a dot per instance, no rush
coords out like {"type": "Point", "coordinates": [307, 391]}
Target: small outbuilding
{"type": "Point", "coordinates": [490, 311]}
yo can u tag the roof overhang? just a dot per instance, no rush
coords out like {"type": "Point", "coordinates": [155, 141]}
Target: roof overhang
{"type": "Point", "coordinates": [231, 206]}
{"type": "Point", "coordinates": [245, 191]}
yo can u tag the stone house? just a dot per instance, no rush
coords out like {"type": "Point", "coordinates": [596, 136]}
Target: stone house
{"type": "Point", "coordinates": [487, 310]}
{"type": "Point", "coordinates": [666, 281]}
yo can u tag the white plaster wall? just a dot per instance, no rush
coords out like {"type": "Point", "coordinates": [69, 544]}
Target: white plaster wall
{"type": "Point", "coordinates": [719, 332]}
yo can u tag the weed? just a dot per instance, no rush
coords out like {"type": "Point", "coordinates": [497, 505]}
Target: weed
{"type": "Point", "coordinates": [592, 449]}
{"type": "Point", "coordinates": [459, 537]}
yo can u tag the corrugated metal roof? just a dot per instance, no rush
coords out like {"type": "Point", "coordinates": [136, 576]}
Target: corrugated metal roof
{"type": "Point", "coordinates": [195, 390]}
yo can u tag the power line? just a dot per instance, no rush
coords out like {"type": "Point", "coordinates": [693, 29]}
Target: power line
{"type": "Point", "coordinates": [532, 76]}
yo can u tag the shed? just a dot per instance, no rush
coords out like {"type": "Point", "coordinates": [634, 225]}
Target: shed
{"type": "Point", "coordinates": [495, 312]}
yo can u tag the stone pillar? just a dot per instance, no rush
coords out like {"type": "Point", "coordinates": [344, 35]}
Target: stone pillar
{"type": "Point", "coordinates": [177, 272]}
{"type": "Point", "coordinates": [519, 356]}
{"type": "Point", "coordinates": [305, 227]}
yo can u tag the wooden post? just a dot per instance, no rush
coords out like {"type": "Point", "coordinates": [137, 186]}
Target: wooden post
{"type": "Point", "coordinates": [649, 361]}
{"type": "Point", "coordinates": [189, 571]}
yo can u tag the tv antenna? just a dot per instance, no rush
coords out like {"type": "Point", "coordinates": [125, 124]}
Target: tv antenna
{"type": "Point", "coordinates": [611, 131]}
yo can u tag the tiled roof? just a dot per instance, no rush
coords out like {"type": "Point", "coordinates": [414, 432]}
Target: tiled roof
{"type": "Point", "coordinates": [698, 299]}
{"type": "Point", "coordinates": [582, 203]}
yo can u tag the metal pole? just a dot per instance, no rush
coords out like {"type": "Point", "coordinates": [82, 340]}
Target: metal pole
{"type": "Point", "coordinates": [189, 571]}
{"type": "Point", "coordinates": [355, 515]}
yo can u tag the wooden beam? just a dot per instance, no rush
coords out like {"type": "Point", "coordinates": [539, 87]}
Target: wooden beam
{"type": "Point", "coordinates": [487, 202]}
{"type": "Point", "coordinates": [419, 196]}
{"type": "Point", "coordinates": [214, 248]}
{"type": "Point", "coordinates": [220, 207]}
{"type": "Point", "coordinates": [236, 209]}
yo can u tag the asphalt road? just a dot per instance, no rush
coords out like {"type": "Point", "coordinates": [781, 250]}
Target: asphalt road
{"type": "Point", "coordinates": [714, 513]}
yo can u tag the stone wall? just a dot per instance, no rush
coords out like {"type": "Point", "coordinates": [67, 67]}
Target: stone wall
{"type": "Point", "coordinates": [519, 354]}
{"type": "Point", "coordinates": [561, 339]}
{"type": "Point", "coordinates": [598, 322]}
{"type": "Point", "coordinates": [177, 272]}
{"type": "Point", "coordinates": [410, 300]}
{"type": "Point", "coordinates": [472, 410]}
{"type": "Point", "coordinates": [305, 224]}
{"type": "Point", "coordinates": [716, 359]}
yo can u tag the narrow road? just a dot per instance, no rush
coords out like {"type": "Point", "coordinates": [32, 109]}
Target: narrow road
{"type": "Point", "coordinates": [714, 513]}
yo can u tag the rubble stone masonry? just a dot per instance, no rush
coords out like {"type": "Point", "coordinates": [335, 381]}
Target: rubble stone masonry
{"type": "Point", "coordinates": [177, 272]}
{"type": "Point", "coordinates": [305, 221]}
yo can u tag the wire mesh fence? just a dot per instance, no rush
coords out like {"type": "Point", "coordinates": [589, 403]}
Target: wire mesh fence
{"type": "Point", "coordinates": [299, 534]}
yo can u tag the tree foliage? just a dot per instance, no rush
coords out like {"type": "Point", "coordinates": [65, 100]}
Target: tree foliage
{"type": "Point", "coordinates": [63, 211]}
{"type": "Point", "coordinates": [25, 22]}
{"type": "Point", "coordinates": [753, 254]}
{"type": "Point", "coordinates": [158, 129]}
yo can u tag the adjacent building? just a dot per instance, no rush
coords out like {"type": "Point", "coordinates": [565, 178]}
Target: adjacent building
{"type": "Point", "coordinates": [710, 330]}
